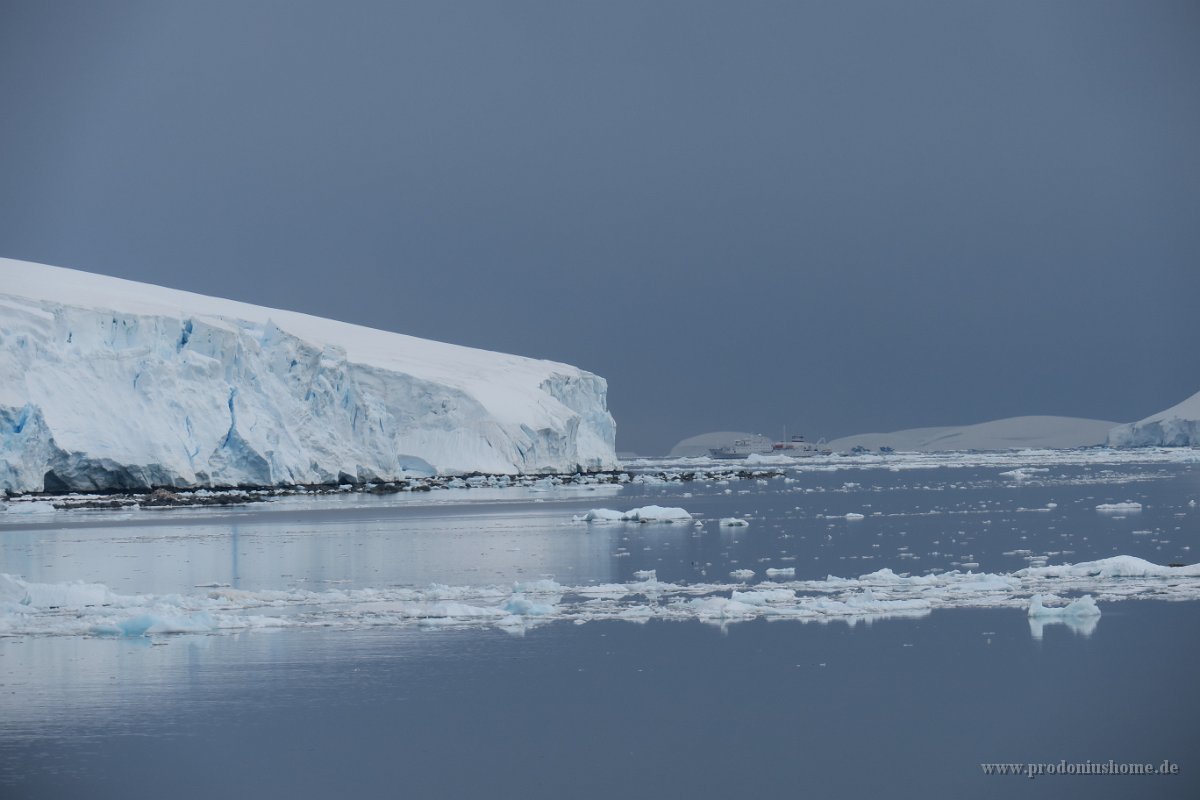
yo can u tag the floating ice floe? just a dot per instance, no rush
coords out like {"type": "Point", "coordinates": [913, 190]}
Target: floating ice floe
{"type": "Point", "coordinates": [733, 522]}
{"type": "Point", "coordinates": [89, 609]}
{"type": "Point", "coordinates": [643, 514]}
{"type": "Point", "coordinates": [1023, 473]}
{"type": "Point", "coordinates": [773, 460]}
{"type": "Point", "coordinates": [1114, 567]}
{"type": "Point", "coordinates": [853, 516]}
{"type": "Point", "coordinates": [28, 507]}
{"type": "Point", "coordinates": [1119, 508]}
{"type": "Point", "coordinates": [1080, 616]}
{"type": "Point", "coordinates": [1083, 607]}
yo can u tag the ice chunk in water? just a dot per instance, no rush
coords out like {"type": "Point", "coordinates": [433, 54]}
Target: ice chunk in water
{"type": "Point", "coordinates": [1083, 607]}
{"type": "Point", "coordinates": [643, 514]}
{"type": "Point", "coordinates": [1119, 508]}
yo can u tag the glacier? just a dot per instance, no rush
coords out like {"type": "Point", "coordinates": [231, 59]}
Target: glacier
{"type": "Point", "coordinates": [109, 384]}
{"type": "Point", "coordinates": [1178, 426]}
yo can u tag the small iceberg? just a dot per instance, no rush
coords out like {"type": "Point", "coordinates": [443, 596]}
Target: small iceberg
{"type": "Point", "coordinates": [1083, 607]}
{"type": "Point", "coordinates": [1119, 508]}
{"type": "Point", "coordinates": [643, 514]}
{"type": "Point", "coordinates": [1022, 474]}
{"type": "Point", "coordinates": [521, 606]}
{"type": "Point", "coordinates": [1080, 616]}
{"type": "Point", "coordinates": [733, 522]}
{"type": "Point", "coordinates": [28, 507]}
{"type": "Point", "coordinates": [1112, 567]}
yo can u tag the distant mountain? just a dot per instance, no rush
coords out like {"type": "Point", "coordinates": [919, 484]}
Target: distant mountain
{"type": "Point", "coordinates": [701, 444]}
{"type": "Point", "coordinates": [1013, 433]}
{"type": "Point", "coordinates": [1178, 426]}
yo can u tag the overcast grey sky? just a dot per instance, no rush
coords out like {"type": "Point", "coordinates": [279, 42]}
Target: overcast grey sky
{"type": "Point", "coordinates": [835, 216]}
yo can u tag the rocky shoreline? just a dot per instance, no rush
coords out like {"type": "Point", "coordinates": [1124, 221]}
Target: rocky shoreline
{"type": "Point", "coordinates": [173, 497]}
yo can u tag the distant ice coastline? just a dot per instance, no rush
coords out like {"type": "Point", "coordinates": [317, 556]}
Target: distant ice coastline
{"type": "Point", "coordinates": [1018, 465]}
{"type": "Point", "coordinates": [1177, 426]}
{"type": "Point", "coordinates": [1030, 458]}
{"type": "Point", "coordinates": [1012, 433]}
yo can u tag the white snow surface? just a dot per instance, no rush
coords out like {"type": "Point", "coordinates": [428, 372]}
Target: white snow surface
{"type": "Point", "coordinates": [1177, 426]}
{"type": "Point", "coordinates": [107, 383]}
{"type": "Point", "coordinates": [89, 609]}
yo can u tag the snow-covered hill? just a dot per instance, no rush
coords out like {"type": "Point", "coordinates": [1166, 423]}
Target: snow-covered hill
{"type": "Point", "coordinates": [1001, 434]}
{"type": "Point", "coordinates": [700, 445]}
{"type": "Point", "coordinates": [1178, 426]}
{"type": "Point", "coordinates": [107, 383]}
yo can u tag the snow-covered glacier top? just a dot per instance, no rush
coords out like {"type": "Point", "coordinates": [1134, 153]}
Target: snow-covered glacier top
{"type": "Point", "coordinates": [109, 383]}
{"type": "Point", "coordinates": [1177, 426]}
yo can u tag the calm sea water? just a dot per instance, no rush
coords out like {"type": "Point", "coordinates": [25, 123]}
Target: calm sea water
{"type": "Point", "coordinates": [899, 707]}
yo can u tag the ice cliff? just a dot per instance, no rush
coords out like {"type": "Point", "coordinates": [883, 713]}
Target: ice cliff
{"type": "Point", "coordinates": [1178, 426]}
{"type": "Point", "coordinates": [113, 384]}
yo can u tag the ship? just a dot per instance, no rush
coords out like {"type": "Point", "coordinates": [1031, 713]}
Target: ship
{"type": "Point", "coordinates": [743, 448]}
{"type": "Point", "coordinates": [796, 447]}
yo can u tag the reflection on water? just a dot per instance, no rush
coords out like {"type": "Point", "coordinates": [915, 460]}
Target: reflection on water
{"type": "Point", "coordinates": [603, 710]}
{"type": "Point", "coordinates": [337, 544]}
{"type": "Point", "coordinates": [1083, 626]}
